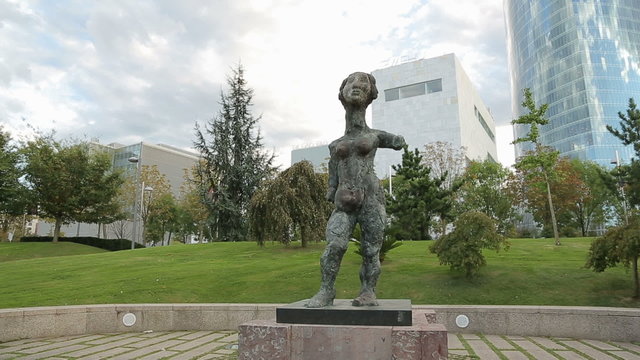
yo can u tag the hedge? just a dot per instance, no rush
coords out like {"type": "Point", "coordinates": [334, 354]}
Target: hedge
{"type": "Point", "coordinates": [107, 244]}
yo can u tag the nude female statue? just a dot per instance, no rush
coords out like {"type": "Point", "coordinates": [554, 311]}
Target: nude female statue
{"type": "Point", "coordinates": [356, 192]}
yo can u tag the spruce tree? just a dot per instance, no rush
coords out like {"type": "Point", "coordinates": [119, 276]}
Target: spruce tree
{"type": "Point", "coordinates": [234, 161]}
{"type": "Point", "coordinates": [418, 199]}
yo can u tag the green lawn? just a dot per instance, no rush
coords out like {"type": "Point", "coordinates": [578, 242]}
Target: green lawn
{"type": "Point", "coordinates": [532, 272]}
{"type": "Point", "coordinates": [19, 251]}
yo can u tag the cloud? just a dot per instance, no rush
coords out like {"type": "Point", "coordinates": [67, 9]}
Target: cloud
{"type": "Point", "coordinates": [127, 71]}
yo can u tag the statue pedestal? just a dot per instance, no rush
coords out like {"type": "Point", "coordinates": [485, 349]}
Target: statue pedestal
{"type": "Point", "coordinates": [268, 339]}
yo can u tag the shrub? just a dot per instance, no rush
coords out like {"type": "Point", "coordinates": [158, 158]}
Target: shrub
{"type": "Point", "coordinates": [388, 244]}
{"type": "Point", "coordinates": [462, 248]}
{"type": "Point", "coordinates": [107, 244]}
{"type": "Point", "coordinates": [619, 244]}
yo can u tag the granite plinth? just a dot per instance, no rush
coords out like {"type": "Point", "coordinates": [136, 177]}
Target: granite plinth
{"type": "Point", "coordinates": [387, 313]}
{"type": "Point", "coordinates": [266, 339]}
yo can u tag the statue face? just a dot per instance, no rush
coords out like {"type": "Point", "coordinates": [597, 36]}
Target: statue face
{"type": "Point", "coordinates": [357, 89]}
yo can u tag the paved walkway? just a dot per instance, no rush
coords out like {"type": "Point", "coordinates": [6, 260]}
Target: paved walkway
{"type": "Point", "coordinates": [223, 344]}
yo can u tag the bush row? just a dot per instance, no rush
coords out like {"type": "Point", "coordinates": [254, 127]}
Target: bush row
{"type": "Point", "coordinates": [107, 244]}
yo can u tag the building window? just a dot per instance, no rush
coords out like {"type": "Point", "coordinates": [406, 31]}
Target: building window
{"type": "Point", "coordinates": [391, 94]}
{"type": "Point", "coordinates": [412, 90]}
{"type": "Point", "coordinates": [484, 124]}
{"type": "Point", "coordinates": [434, 86]}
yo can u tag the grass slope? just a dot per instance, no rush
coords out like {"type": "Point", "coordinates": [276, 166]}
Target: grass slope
{"type": "Point", "coordinates": [532, 272]}
{"type": "Point", "coordinates": [19, 251]}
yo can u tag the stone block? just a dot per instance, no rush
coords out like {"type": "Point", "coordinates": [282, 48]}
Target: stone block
{"type": "Point", "coordinates": [264, 339]}
{"type": "Point", "coordinates": [319, 342]}
{"type": "Point", "coordinates": [421, 341]}
{"type": "Point", "coordinates": [261, 339]}
{"type": "Point", "coordinates": [157, 320]}
{"type": "Point", "coordinates": [188, 320]}
{"type": "Point", "coordinates": [12, 328]}
{"type": "Point", "coordinates": [69, 323]}
{"type": "Point", "coordinates": [102, 320]}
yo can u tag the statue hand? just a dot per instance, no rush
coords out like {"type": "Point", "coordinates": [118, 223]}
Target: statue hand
{"type": "Point", "coordinates": [331, 194]}
{"type": "Point", "coordinates": [398, 143]}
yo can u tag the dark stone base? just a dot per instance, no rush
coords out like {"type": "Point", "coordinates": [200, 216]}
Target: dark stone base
{"type": "Point", "coordinates": [387, 313]}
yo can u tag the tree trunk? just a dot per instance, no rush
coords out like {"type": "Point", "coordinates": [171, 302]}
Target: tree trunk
{"type": "Point", "coordinates": [554, 224]}
{"type": "Point", "coordinates": [56, 230]}
{"type": "Point", "coordinates": [635, 278]}
{"type": "Point", "coordinates": [303, 236]}
{"type": "Point", "coordinates": [98, 230]}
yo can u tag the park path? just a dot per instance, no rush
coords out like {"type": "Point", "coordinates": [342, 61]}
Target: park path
{"type": "Point", "coordinates": [202, 345]}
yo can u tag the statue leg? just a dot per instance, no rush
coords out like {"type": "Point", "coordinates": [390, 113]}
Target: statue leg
{"type": "Point", "coordinates": [372, 223]}
{"type": "Point", "coordinates": [339, 228]}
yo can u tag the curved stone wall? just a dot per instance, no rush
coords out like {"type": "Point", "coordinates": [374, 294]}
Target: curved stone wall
{"type": "Point", "coordinates": [617, 324]}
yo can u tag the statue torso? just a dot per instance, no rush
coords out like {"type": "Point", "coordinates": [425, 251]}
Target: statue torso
{"type": "Point", "coordinates": [353, 156]}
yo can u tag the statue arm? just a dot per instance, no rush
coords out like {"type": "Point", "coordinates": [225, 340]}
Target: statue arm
{"type": "Point", "coordinates": [390, 141]}
{"type": "Point", "coordinates": [333, 177]}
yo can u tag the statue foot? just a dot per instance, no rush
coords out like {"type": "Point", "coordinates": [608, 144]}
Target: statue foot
{"type": "Point", "coordinates": [321, 299]}
{"type": "Point", "coordinates": [365, 299]}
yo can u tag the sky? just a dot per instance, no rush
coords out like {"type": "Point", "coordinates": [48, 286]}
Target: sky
{"type": "Point", "coordinates": [130, 71]}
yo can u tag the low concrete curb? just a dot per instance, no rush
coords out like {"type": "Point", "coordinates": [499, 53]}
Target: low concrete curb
{"type": "Point", "coordinates": [617, 324]}
{"type": "Point", "coordinates": [596, 323]}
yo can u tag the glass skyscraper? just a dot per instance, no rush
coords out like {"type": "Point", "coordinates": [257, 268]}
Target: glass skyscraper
{"type": "Point", "coordinates": [581, 57]}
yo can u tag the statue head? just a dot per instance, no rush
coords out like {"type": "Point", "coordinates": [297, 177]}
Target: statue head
{"type": "Point", "coordinates": [359, 89]}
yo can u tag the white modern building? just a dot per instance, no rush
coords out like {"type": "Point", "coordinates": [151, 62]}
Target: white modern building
{"type": "Point", "coordinates": [431, 100]}
{"type": "Point", "coordinates": [318, 155]}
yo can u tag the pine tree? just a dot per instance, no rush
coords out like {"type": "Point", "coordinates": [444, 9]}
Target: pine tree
{"type": "Point", "coordinates": [234, 162]}
{"type": "Point", "coordinates": [419, 198]}
{"type": "Point", "coordinates": [630, 128]}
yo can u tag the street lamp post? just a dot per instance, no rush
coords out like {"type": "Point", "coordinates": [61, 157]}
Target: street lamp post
{"type": "Point", "coordinates": [135, 160]}
{"type": "Point", "coordinates": [148, 189]}
{"type": "Point", "coordinates": [621, 186]}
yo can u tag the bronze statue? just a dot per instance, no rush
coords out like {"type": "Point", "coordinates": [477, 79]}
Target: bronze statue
{"type": "Point", "coordinates": [355, 190]}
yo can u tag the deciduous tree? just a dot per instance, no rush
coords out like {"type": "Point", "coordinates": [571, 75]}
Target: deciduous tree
{"type": "Point", "coordinates": [13, 197]}
{"type": "Point", "coordinates": [487, 188]}
{"type": "Point", "coordinates": [163, 218]}
{"type": "Point", "coordinates": [542, 159]}
{"type": "Point", "coordinates": [156, 186]}
{"type": "Point", "coordinates": [594, 196]}
{"type": "Point", "coordinates": [67, 182]}
{"type": "Point", "coordinates": [445, 161]}
{"type": "Point", "coordinates": [292, 202]}
{"type": "Point", "coordinates": [192, 213]}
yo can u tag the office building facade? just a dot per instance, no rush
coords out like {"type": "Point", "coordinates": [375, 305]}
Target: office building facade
{"type": "Point", "coordinates": [431, 100]}
{"type": "Point", "coordinates": [170, 161]}
{"type": "Point", "coordinates": [317, 155]}
{"type": "Point", "coordinates": [582, 59]}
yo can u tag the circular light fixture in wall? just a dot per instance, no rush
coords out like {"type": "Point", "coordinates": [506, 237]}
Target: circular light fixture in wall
{"type": "Point", "coordinates": [129, 319]}
{"type": "Point", "coordinates": [462, 321]}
